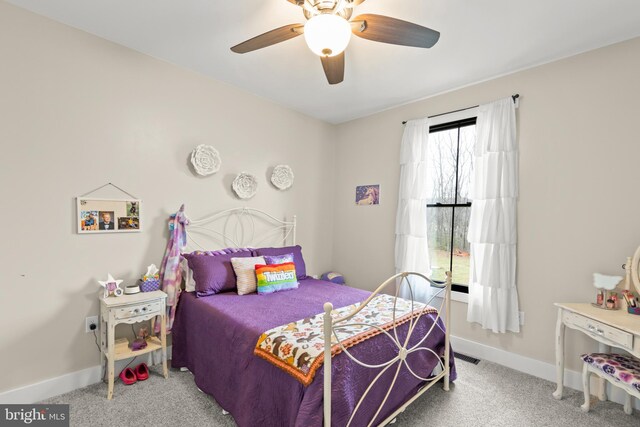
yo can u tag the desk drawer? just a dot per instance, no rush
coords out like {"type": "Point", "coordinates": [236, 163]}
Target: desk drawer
{"type": "Point", "coordinates": [593, 327]}
{"type": "Point", "coordinates": [138, 310]}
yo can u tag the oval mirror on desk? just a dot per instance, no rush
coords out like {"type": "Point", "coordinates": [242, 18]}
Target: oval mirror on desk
{"type": "Point", "coordinates": [635, 270]}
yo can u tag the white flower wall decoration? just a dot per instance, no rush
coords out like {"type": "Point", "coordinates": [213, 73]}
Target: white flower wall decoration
{"type": "Point", "coordinates": [282, 177]}
{"type": "Point", "coordinates": [205, 160]}
{"type": "Point", "coordinates": [245, 185]}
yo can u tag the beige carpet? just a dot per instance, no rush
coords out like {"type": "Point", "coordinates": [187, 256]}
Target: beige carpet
{"type": "Point", "coordinates": [484, 395]}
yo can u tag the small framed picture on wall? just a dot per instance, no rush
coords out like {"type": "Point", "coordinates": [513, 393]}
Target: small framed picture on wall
{"type": "Point", "coordinates": [367, 195]}
{"type": "Point", "coordinates": [108, 215]}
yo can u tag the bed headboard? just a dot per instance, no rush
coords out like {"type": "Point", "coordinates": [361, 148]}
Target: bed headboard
{"type": "Point", "coordinates": [240, 228]}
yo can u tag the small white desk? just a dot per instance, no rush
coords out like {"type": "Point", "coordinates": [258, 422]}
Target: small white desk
{"type": "Point", "coordinates": [611, 328]}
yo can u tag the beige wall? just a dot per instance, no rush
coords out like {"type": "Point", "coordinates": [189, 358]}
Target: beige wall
{"type": "Point", "coordinates": [577, 212]}
{"type": "Point", "coordinates": [76, 112]}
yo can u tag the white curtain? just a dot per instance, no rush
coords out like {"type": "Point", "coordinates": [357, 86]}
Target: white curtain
{"type": "Point", "coordinates": [412, 250]}
{"type": "Point", "coordinates": [493, 298]}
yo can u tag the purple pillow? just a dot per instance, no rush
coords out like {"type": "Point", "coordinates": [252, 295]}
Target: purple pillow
{"type": "Point", "coordinates": [278, 259]}
{"type": "Point", "coordinates": [213, 272]}
{"type": "Point", "coordinates": [301, 269]}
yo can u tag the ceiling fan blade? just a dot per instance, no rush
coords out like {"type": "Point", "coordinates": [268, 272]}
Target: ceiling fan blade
{"type": "Point", "coordinates": [269, 38]}
{"type": "Point", "coordinates": [384, 29]}
{"type": "Point", "coordinates": [333, 68]}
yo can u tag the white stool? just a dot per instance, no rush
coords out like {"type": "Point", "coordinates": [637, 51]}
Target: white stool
{"type": "Point", "coordinates": [621, 371]}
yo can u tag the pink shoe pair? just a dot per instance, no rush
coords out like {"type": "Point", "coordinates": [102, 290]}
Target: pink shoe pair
{"type": "Point", "coordinates": [131, 376]}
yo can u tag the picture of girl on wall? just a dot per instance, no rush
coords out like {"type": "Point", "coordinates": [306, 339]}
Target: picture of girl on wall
{"type": "Point", "coordinates": [368, 195]}
{"type": "Point", "coordinates": [89, 220]}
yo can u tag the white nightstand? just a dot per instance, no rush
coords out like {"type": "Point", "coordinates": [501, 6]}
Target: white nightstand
{"type": "Point", "coordinates": [131, 309]}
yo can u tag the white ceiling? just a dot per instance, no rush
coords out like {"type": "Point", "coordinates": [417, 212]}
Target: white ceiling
{"type": "Point", "coordinates": [480, 39]}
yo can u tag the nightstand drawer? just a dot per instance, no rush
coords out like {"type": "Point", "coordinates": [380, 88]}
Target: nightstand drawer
{"type": "Point", "coordinates": [138, 310]}
{"type": "Point", "coordinates": [615, 335]}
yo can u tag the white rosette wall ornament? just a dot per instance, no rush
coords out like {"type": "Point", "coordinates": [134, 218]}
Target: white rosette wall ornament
{"type": "Point", "coordinates": [282, 177]}
{"type": "Point", "coordinates": [245, 185]}
{"type": "Point", "coordinates": [205, 160]}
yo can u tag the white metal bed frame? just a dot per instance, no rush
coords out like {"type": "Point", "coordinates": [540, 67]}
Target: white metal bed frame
{"type": "Point", "coordinates": [403, 347]}
{"type": "Point", "coordinates": [238, 227]}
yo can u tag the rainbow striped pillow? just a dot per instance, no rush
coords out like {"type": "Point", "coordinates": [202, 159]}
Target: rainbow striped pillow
{"type": "Point", "coordinates": [276, 277]}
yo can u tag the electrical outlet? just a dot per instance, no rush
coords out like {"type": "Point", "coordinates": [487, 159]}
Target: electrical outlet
{"type": "Point", "coordinates": [89, 322]}
{"type": "Point", "coordinates": [521, 315]}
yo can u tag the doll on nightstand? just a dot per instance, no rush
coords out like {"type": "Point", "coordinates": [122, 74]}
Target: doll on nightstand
{"type": "Point", "coordinates": [141, 339]}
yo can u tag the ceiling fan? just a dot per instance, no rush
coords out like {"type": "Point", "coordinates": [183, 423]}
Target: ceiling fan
{"type": "Point", "coordinates": [328, 31]}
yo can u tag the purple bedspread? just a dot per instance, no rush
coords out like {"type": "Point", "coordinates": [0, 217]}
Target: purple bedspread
{"type": "Point", "coordinates": [214, 337]}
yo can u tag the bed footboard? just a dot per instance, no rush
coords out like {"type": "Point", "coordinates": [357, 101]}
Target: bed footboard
{"type": "Point", "coordinates": [404, 349]}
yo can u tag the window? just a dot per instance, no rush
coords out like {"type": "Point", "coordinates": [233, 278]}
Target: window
{"type": "Point", "coordinates": [450, 168]}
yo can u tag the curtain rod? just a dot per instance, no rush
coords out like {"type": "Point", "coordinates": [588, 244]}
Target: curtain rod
{"type": "Point", "coordinates": [514, 97]}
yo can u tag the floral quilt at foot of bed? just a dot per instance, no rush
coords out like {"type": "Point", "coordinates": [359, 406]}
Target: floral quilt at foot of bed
{"type": "Point", "coordinates": [298, 347]}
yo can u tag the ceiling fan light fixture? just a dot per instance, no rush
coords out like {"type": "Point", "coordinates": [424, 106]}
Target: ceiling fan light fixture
{"type": "Point", "coordinates": [327, 34]}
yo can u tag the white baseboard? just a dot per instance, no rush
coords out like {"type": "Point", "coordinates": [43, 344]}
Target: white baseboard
{"type": "Point", "coordinates": [537, 368]}
{"type": "Point", "coordinates": [34, 393]}
{"type": "Point", "coordinates": [38, 392]}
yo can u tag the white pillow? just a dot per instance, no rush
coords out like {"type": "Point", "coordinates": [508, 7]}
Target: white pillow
{"type": "Point", "coordinates": [246, 273]}
{"type": "Point", "coordinates": [187, 275]}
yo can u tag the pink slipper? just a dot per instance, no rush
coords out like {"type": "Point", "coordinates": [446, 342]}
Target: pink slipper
{"type": "Point", "coordinates": [128, 376]}
{"type": "Point", "coordinates": [142, 372]}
